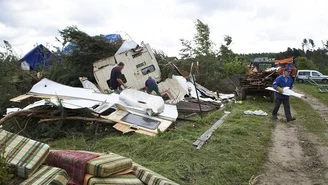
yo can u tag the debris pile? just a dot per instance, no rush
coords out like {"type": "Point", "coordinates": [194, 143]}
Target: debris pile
{"type": "Point", "coordinates": [104, 108]}
{"type": "Point", "coordinates": [130, 111]}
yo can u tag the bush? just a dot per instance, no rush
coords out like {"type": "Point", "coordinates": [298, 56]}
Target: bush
{"type": "Point", "coordinates": [6, 172]}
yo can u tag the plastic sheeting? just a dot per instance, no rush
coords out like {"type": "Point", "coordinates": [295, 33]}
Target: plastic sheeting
{"type": "Point", "coordinates": [287, 92]}
{"type": "Point", "coordinates": [88, 85]}
{"type": "Point", "coordinates": [126, 46]}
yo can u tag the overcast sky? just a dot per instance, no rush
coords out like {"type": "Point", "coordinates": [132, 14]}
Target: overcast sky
{"type": "Point", "coordinates": [254, 25]}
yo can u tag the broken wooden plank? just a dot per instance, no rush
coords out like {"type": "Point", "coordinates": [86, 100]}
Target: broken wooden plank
{"type": "Point", "coordinates": [21, 97]}
{"type": "Point", "coordinates": [204, 137]}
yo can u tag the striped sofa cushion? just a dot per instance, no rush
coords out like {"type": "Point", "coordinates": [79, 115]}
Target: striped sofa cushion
{"type": "Point", "coordinates": [106, 165]}
{"type": "Point", "coordinates": [24, 154]}
{"type": "Point", "coordinates": [118, 180]}
{"type": "Point", "coordinates": [149, 177]}
{"type": "Point", "coordinates": [47, 175]}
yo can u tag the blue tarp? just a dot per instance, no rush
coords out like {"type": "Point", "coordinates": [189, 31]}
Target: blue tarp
{"type": "Point", "coordinates": [40, 55]}
{"type": "Point", "coordinates": [113, 37]}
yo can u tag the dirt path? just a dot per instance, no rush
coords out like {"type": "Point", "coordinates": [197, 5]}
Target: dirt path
{"type": "Point", "coordinates": [321, 108]}
{"type": "Point", "coordinates": [286, 157]}
{"type": "Point", "coordinates": [296, 156]}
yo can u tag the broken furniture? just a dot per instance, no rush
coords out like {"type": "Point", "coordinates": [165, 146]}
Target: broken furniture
{"type": "Point", "coordinates": [203, 138]}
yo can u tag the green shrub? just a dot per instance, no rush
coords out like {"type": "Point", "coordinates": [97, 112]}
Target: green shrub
{"type": "Point", "coordinates": [6, 171]}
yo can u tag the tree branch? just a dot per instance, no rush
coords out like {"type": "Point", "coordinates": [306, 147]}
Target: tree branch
{"type": "Point", "coordinates": [77, 118]}
{"type": "Point", "coordinates": [19, 113]}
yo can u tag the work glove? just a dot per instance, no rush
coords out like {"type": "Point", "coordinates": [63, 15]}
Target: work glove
{"type": "Point", "coordinates": [279, 89]}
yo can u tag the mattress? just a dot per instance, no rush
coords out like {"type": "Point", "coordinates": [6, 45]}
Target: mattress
{"type": "Point", "coordinates": [24, 154]}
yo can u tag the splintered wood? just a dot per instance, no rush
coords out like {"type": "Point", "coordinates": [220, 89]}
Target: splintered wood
{"type": "Point", "coordinates": [203, 138]}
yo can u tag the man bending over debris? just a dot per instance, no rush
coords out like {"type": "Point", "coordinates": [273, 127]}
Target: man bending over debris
{"type": "Point", "coordinates": [279, 83]}
{"type": "Point", "coordinates": [115, 78]}
{"type": "Point", "coordinates": [151, 86]}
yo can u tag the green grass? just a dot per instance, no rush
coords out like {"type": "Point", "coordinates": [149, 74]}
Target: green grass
{"type": "Point", "coordinates": [236, 151]}
{"type": "Point", "coordinates": [313, 90]}
{"type": "Point", "coordinates": [309, 118]}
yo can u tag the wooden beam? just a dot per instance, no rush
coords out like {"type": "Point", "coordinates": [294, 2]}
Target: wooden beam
{"type": "Point", "coordinates": [203, 138]}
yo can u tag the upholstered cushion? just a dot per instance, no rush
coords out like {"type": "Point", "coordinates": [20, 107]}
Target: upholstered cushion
{"type": "Point", "coordinates": [117, 180]}
{"type": "Point", "coordinates": [149, 177]}
{"type": "Point", "coordinates": [24, 154]}
{"type": "Point", "coordinates": [48, 175]}
{"type": "Point", "coordinates": [106, 165]}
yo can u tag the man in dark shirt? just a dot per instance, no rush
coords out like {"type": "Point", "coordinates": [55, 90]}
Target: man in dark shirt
{"type": "Point", "coordinates": [279, 83]}
{"type": "Point", "coordinates": [115, 78]}
{"type": "Point", "coordinates": [151, 86]}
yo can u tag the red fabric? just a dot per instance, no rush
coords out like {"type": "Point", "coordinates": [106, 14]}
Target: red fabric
{"type": "Point", "coordinates": [74, 162]}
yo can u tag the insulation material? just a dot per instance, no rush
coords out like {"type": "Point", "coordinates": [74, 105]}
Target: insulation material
{"type": "Point", "coordinates": [146, 102]}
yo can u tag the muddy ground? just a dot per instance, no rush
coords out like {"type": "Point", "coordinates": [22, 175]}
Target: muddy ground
{"type": "Point", "coordinates": [296, 157]}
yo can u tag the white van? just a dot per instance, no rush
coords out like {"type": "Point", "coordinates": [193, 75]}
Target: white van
{"type": "Point", "coordinates": [303, 75]}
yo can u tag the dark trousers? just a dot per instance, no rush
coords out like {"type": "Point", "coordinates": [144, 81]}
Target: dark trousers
{"type": "Point", "coordinates": [151, 89]}
{"type": "Point", "coordinates": [286, 107]}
